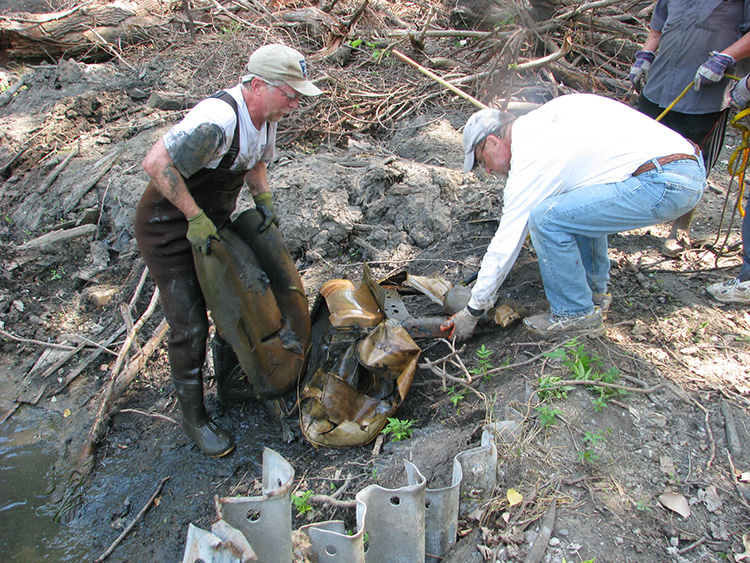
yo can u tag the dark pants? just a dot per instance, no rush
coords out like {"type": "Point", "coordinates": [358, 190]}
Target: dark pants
{"type": "Point", "coordinates": [705, 130]}
{"type": "Point", "coordinates": [160, 229]}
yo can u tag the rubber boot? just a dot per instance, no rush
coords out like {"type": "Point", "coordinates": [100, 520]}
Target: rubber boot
{"type": "Point", "coordinates": [232, 385]}
{"type": "Point", "coordinates": [208, 436]}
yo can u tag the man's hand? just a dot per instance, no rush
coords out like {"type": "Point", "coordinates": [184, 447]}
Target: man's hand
{"type": "Point", "coordinates": [264, 205]}
{"type": "Point", "coordinates": [640, 69]}
{"type": "Point", "coordinates": [200, 232]}
{"type": "Point", "coordinates": [740, 93]}
{"type": "Point", "coordinates": [713, 69]}
{"type": "Point", "coordinates": [461, 325]}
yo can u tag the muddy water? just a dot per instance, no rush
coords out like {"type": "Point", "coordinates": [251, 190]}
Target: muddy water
{"type": "Point", "coordinates": [27, 481]}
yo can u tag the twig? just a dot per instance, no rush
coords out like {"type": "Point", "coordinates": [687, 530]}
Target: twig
{"type": "Point", "coordinates": [85, 460]}
{"type": "Point", "coordinates": [10, 336]}
{"type": "Point", "coordinates": [152, 414]}
{"type": "Point", "coordinates": [126, 531]}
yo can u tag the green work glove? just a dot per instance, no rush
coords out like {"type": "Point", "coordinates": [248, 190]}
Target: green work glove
{"type": "Point", "coordinates": [264, 205]}
{"type": "Point", "coordinates": [200, 232]}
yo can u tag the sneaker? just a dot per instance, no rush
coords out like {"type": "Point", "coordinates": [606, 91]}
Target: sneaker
{"type": "Point", "coordinates": [730, 291]}
{"type": "Point", "coordinates": [552, 325]}
{"type": "Point", "coordinates": [603, 301]}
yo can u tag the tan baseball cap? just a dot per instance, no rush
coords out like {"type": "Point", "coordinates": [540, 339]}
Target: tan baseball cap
{"type": "Point", "coordinates": [481, 124]}
{"type": "Point", "coordinates": [279, 62]}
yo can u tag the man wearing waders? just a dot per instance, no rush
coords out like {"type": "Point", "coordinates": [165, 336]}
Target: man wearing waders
{"type": "Point", "coordinates": [196, 171]}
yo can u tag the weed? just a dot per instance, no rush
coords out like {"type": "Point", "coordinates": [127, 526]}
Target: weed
{"type": "Point", "coordinates": [57, 273]}
{"type": "Point", "coordinates": [549, 388]}
{"type": "Point", "coordinates": [455, 396]}
{"type": "Point", "coordinates": [547, 415]}
{"type": "Point", "coordinates": [400, 429]}
{"type": "Point", "coordinates": [642, 506]}
{"type": "Point", "coordinates": [302, 502]}
{"type": "Point", "coordinates": [483, 363]}
{"type": "Point", "coordinates": [590, 439]}
{"type": "Point", "coordinates": [583, 368]}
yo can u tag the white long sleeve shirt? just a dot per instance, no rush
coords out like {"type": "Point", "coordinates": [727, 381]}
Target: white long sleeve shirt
{"type": "Point", "coordinates": [571, 142]}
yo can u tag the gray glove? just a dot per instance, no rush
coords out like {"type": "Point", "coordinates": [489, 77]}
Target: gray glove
{"type": "Point", "coordinates": [461, 325]}
{"type": "Point", "coordinates": [740, 93]}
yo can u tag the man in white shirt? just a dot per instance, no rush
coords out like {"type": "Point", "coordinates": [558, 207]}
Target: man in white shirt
{"type": "Point", "coordinates": [579, 168]}
{"type": "Point", "coordinates": [197, 170]}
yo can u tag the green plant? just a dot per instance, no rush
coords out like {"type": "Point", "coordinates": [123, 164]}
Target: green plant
{"type": "Point", "coordinates": [547, 415]}
{"type": "Point", "coordinates": [57, 273]}
{"type": "Point", "coordinates": [483, 363]}
{"type": "Point", "coordinates": [400, 429]}
{"type": "Point", "coordinates": [590, 439]}
{"type": "Point", "coordinates": [455, 396]}
{"type": "Point", "coordinates": [301, 502]}
{"type": "Point", "coordinates": [583, 368]}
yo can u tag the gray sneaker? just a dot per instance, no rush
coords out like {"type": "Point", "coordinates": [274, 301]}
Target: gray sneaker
{"type": "Point", "coordinates": [603, 301]}
{"type": "Point", "coordinates": [730, 291]}
{"type": "Point", "coordinates": [549, 324]}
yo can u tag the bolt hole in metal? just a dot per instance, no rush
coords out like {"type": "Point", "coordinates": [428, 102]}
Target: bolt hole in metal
{"type": "Point", "coordinates": [395, 501]}
{"type": "Point", "coordinates": [253, 515]}
{"type": "Point", "coordinates": [331, 550]}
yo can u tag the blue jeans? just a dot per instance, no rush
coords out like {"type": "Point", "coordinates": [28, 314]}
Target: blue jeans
{"type": "Point", "coordinates": [744, 274]}
{"type": "Point", "coordinates": [569, 231]}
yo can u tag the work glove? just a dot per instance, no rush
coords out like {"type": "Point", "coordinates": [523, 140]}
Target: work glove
{"type": "Point", "coordinates": [200, 232]}
{"type": "Point", "coordinates": [461, 325]}
{"type": "Point", "coordinates": [264, 205]}
{"type": "Point", "coordinates": [740, 93]}
{"type": "Point", "coordinates": [640, 69]}
{"type": "Point", "coordinates": [713, 69]}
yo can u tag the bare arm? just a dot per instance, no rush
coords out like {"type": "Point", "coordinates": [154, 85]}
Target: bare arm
{"type": "Point", "coordinates": [159, 166]}
{"type": "Point", "coordinates": [740, 49]}
{"type": "Point", "coordinates": [256, 179]}
{"type": "Point", "coordinates": [652, 41]}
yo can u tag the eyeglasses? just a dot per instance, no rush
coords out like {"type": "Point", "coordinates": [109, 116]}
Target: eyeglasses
{"type": "Point", "coordinates": [290, 98]}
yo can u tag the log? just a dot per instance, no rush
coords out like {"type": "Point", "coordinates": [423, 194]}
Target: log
{"type": "Point", "coordinates": [90, 29]}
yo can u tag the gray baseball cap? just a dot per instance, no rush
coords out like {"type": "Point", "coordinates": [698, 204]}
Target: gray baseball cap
{"type": "Point", "coordinates": [481, 124]}
{"type": "Point", "coordinates": [279, 62]}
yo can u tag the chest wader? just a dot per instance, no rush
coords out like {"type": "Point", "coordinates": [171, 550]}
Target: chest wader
{"type": "Point", "coordinates": [161, 229]}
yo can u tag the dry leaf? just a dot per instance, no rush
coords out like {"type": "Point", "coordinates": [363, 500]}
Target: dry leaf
{"type": "Point", "coordinates": [675, 502]}
{"type": "Point", "coordinates": [514, 497]}
{"type": "Point", "coordinates": [66, 413]}
{"type": "Point", "coordinates": [506, 517]}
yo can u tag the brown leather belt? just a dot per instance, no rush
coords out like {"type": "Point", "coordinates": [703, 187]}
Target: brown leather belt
{"type": "Point", "coordinates": [649, 165]}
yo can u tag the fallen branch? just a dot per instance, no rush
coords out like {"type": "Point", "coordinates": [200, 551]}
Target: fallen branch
{"type": "Point", "coordinates": [6, 96]}
{"type": "Point", "coordinates": [86, 456]}
{"type": "Point", "coordinates": [15, 338]}
{"type": "Point", "coordinates": [126, 531]}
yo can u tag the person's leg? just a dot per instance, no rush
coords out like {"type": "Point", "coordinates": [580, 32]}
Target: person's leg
{"type": "Point", "coordinates": [736, 290]}
{"type": "Point", "coordinates": [595, 212]}
{"type": "Point", "coordinates": [185, 309]}
{"type": "Point", "coordinates": [706, 131]}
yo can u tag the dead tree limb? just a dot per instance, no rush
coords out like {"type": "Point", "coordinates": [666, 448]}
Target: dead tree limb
{"type": "Point", "coordinates": [87, 454]}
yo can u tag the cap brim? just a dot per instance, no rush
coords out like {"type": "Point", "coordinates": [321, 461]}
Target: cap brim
{"type": "Point", "coordinates": [469, 161]}
{"type": "Point", "coordinates": [304, 87]}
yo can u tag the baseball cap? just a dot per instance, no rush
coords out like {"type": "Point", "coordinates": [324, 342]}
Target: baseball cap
{"type": "Point", "coordinates": [279, 62]}
{"type": "Point", "coordinates": [480, 124]}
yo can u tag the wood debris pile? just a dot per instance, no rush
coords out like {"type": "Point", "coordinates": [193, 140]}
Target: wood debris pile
{"type": "Point", "coordinates": [496, 51]}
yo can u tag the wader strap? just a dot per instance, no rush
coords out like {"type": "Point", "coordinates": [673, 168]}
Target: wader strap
{"type": "Point", "coordinates": [226, 163]}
